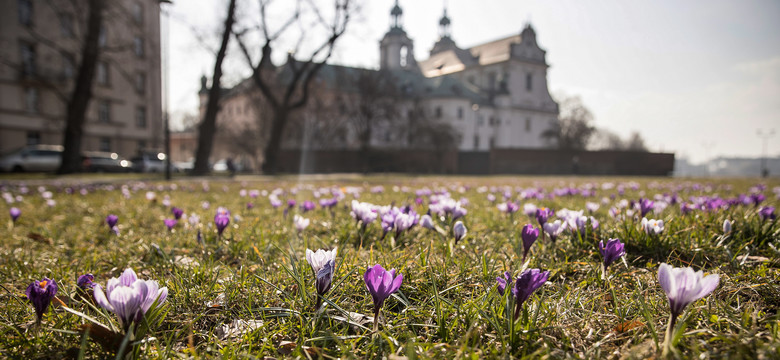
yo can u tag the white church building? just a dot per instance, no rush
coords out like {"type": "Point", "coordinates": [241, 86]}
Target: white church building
{"type": "Point", "coordinates": [507, 105]}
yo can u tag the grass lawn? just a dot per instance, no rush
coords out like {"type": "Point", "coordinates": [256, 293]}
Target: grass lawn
{"type": "Point", "coordinates": [250, 292]}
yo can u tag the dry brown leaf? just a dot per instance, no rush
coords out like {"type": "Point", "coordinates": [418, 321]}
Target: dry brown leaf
{"type": "Point", "coordinates": [628, 325]}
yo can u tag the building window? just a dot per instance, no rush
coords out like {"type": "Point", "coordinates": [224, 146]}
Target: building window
{"type": "Point", "coordinates": [105, 144]}
{"type": "Point", "coordinates": [66, 25]}
{"type": "Point", "coordinates": [28, 59]}
{"type": "Point", "coordinates": [527, 124]}
{"type": "Point", "coordinates": [104, 111]}
{"type": "Point", "coordinates": [476, 142]}
{"type": "Point", "coordinates": [140, 83]}
{"type": "Point", "coordinates": [102, 73]}
{"type": "Point", "coordinates": [138, 13]}
{"type": "Point", "coordinates": [102, 37]}
{"type": "Point", "coordinates": [140, 117]}
{"type": "Point", "coordinates": [33, 138]}
{"type": "Point", "coordinates": [460, 113]}
{"type": "Point", "coordinates": [138, 46]}
{"type": "Point", "coordinates": [68, 67]}
{"type": "Point", "coordinates": [528, 81]}
{"type": "Point", "coordinates": [31, 100]}
{"type": "Point", "coordinates": [438, 112]}
{"type": "Point", "coordinates": [480, 121]}
{"type": "Point", "coordinates": [25, 12]}
{"type": "Point", "coordinates": [492, 142]}
{"type": "Point", "coordinates": [141, 145]}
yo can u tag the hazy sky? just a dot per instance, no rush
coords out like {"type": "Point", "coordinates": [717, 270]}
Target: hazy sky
{"type": "Point", "coordinates": [697, 78]}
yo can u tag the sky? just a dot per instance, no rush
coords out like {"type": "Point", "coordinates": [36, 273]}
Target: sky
{"type": "Point", "coordinates": [698, 78]}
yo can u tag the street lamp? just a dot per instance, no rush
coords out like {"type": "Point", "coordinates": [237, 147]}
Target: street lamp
{"type": "Point", "coordinates": [765, 137]}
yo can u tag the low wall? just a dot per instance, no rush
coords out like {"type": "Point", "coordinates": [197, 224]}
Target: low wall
{"type": "Point", "coordinates": [496, 161]}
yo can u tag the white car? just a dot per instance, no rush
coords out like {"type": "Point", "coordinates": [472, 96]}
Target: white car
{"type": "Point", "coordinates": [45, 158]}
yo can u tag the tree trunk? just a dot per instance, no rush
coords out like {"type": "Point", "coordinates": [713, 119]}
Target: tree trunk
{"type": "Point", "coordinates": [82, 93]}
{"type": "Point", "coordinates": [365, 148]}
{"type": "Point", "coordinates": [275, 142]}
{"type": "Point", "coordinates": [208, 125]}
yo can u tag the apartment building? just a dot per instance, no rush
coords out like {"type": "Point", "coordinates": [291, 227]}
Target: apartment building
{"type": "Point", "coordinates": [40, 50]}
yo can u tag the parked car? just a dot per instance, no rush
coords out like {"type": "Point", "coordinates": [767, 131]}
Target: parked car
{"type": "Point", "coordinates": [95, 161]}
{"type": "Point", "coordinates": [45, 158]}
{"type": "Point", "coordinates": [150, 163]}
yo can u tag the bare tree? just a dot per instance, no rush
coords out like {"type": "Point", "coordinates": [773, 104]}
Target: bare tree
{"type": "Point", "coordinates": [636, 142]}
{"type": "Point", "coordinates": [208, 125]}
{"type": "Point", "coordinates": [82, 93]}
{"type": "Point", "coordinates": [376, 102]}
{"type": "Point", "coordinates": [604, 139]}
{"type": "Point", "coordinates": [288, 90]}
{"type": "Point", "coordinates": [573, 129]}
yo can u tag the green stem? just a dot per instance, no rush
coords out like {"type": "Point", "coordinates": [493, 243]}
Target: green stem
{"type": "Point", "coordinates": [669, 335]}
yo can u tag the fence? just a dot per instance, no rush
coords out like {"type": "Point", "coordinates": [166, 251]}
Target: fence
{"type": "Point", "coordinates": [496, 161]}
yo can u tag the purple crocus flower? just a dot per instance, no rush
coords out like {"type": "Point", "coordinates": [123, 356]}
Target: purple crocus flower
{"type": "Point", "coordinates": [645, 205]}
{"type": "Point", "coordinates": [526, 284]}
{"type": "Point", "coordinates": [459, 231]}
{"type": "Point", "coordinates": [177, 212]}
{"type": "Point", "coordinates": [40, 294]}
{"type": "Point", "coordinates": [381, 284]}
{"type": "Point", "coordinates": [307, 206]}
{"type": "Point", "coordinates": [529, 235]}
{"type": "Point", "coordinates": [682, 287]}
{"type": "Point", "coordinates": [427, 222]}
{"type": "Point", "coordinates": [542, 214]}
{"type": "Point", "coordinates": [767, 213]}
{"type": "Point", "coordinates": [129, 297]}
{"type": "Point", "coordinates": [554, 229]}
{"type": "Point", "coordinates": [170, 223]}
{"type": "Point", "coordinates": [84, 282]}
{"type": "Point", "coordinates": [15, 213]}
{"type": "Point", "coordinates": [611, 252]}
{"type": "Point", "coordinates": [503, 282]}
{"type": "Point", "coordinates": [221, 221]}
{"type": "Point", "coordinates": [323, 264]}
{"type": "Point", "coordinates": [111, 220]}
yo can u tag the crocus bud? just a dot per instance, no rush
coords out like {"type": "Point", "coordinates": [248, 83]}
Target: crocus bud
{"type": "Point", "coordinates": [427, 222]}
{"type": "Point", "coordinates": [726, 226]}
{"type": "Point", "coordinates": [111, 220]}
{"type": "Point", "coordinates": [15, 213]}
{"type": "Point", "coordinates": [459, 230]}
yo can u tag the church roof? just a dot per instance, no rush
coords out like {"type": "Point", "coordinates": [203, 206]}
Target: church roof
{"type": "Point", "coordinates": [455, 59]}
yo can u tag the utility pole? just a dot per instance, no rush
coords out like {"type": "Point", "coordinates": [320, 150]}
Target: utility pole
{"type": "Point", "coordinates": [765, 137]}
{"type": "Point", "coordinates": [166, 69]}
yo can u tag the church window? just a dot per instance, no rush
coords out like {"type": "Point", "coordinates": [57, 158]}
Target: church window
{"type": "Point", "coordinates": [528, 81]}
{"type": "Point", "coordinates": [460, 113]}
{"type": "Point", "coordinates": [403, 54]}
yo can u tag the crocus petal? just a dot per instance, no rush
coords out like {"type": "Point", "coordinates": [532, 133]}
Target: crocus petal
{"type": "Point", "coordinates": [100, 298]}
{"type": "Point", "coordinates": [397, 283]}
{"type": "Point", "coordinates": [128, 277]}
{"type": "Point", "coordinates": [665, 278]}
{"type": "Point", "coordinates": [708, 285]}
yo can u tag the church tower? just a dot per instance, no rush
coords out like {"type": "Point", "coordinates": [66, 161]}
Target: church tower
{"type": "Point", "coordinates": [396, 49]}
